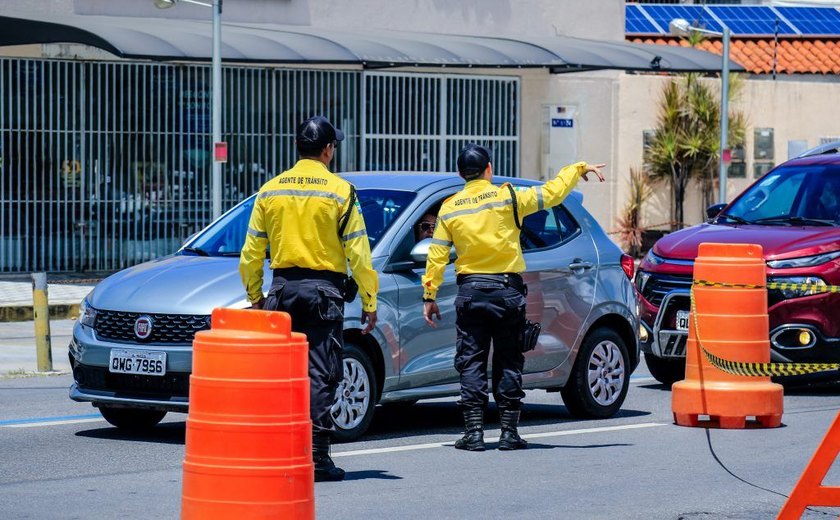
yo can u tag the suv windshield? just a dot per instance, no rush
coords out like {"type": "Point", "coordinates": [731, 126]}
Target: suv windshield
{"type": "Point", "coordinates": [226, 237]}
{"type": "Point", "coordinates": [791, 196]}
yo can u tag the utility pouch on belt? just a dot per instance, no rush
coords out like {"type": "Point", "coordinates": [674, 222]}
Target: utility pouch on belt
{"type": "Point", "coordinates": [351, 288]}
{"type": "Point", "coordinates": [530, 335]}
{"type": "Point", "coordinates": [531, 332]}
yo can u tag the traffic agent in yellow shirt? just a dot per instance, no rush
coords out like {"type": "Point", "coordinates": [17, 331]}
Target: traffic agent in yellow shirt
{"type": "Point", "coordinates": [311, 223]}
{"type": "Point", "coordinates": [482, 222]}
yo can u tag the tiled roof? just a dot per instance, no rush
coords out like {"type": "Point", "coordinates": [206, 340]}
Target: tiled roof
{"type": "Point", "coordinates": [793, 56]}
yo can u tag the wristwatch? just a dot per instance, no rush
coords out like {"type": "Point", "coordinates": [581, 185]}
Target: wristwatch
{"type": "Point", "coordinates": [428, 300]}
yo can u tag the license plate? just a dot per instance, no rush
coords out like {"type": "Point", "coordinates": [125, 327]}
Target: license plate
{"type": "Point", "coordinates": [144, 362]}
{"type": "Point", "coordinates": [682, 320]}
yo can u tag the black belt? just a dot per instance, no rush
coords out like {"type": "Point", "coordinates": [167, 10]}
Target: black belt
{"type": "Point", "coordinates": [509, 279]}
{"type": "Point", "coordinates": [302, 273]}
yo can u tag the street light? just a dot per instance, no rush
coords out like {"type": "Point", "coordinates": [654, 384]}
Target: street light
{"type": "Point", "coordinates": [680, 27]}
{"type": "Point", "coordinates": [216, 181]}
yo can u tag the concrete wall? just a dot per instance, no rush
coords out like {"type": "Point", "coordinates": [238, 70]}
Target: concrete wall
{"type": "Point", "coordinates": [481, 17]}
{"type": "Point", "coordinates": [796, 110]}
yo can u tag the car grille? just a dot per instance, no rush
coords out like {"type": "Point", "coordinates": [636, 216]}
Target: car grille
{"type": "Point", "coordinates": [174, 384]}
{"type": "Point", "coordinates": [658, 285]}
{"type": "Point", "coordinates": [167, 328]}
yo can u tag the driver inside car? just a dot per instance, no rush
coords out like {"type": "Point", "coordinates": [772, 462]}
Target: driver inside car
{"type": "Point", "coordinates": [425, 227]}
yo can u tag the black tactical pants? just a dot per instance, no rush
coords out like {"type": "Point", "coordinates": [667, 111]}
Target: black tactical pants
{"type": "Point", "coordinates": [490, 308]}
{"type": "Point", "coordinates": [315, 302]}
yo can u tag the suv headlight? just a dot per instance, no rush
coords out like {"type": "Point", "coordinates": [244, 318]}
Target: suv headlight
{"type": "Point", "coordinates": [87, 314]}
{"type": "Point", "coordinates": [641, 280]}
{"type": "Point", "coordinates": [813, 285]}
{"type": "Point", "coordinates": [803, 261]}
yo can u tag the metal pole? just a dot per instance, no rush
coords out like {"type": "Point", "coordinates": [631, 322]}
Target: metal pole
{"type": "Point", "coordinates": [41, 311]}
{"type": "Point", "coordinates": [724, 113]}
{"type": "Point", "coordinates": [216, 186]}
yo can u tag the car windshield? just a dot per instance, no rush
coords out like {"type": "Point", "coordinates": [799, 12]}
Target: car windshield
{"type": "Point", "coordinates": [790, 196]}
{"type": "Point", "coordinates": [226, 237]}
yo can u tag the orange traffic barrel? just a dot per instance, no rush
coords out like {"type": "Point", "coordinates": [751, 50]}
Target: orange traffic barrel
{"type": "Point", "coordinates": [729, 322]}
{"type": "Point", "coordinates": [249, 435]}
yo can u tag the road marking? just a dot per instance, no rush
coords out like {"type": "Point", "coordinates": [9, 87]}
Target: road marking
{"type": "Point", "coordinates": [50, 421]}
{"type": "Point", "coordinates": [412, 447]}
{"type": "Point", "coordinates": [642, 379]}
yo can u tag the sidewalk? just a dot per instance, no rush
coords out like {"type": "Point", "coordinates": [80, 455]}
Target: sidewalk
{"type": "Point", "coordinates": [17, 347]}
{"type": "Point", "coordinates": [64, 293]}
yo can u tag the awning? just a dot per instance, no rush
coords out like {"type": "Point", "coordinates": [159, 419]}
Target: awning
{"type": "Point", "coordinates": [179, 39]}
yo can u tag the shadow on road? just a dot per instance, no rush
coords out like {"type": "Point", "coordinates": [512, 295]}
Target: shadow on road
{"type": "Point", "coordinates": [392, 422]}
{"type": "Point", "coordinates": [534, 446]}
{"type": "Point", "coordinates": [164, 433]}
{"type": "Point", "coordinates": [371, 474]}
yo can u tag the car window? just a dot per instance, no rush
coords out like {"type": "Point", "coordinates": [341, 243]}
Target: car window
{"type": "Point", "coordinates": [547, 229]}
{"type": "Point", "coordinates": [810, 192]}
{"type": "Point", "coordinates": [380, 209]}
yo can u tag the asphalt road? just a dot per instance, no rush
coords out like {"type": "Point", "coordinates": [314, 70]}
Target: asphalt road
{"type": "Point", "coordinates": [59, 460]}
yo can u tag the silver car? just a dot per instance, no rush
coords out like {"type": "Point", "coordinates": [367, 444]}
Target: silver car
{"type": "Point", "coordinates": [131, 348]}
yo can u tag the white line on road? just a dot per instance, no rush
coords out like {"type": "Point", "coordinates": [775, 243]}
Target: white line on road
{"type": "Point", "coordinates": [411, 447]}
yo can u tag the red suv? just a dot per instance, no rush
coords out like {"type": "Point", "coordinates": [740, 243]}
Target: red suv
{"type": "Point", "coordinates": [793, 212]}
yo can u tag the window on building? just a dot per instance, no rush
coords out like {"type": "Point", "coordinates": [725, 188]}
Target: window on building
{"type": "Point", "coordinates": [737, 167]}
{"type": "Point", "coordinates": [763, 146]}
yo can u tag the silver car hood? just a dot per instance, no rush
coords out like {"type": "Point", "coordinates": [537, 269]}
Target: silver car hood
{"type": "Point", "coordinates": [175, 284]}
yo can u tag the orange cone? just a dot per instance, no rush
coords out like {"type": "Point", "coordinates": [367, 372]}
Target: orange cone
{"type": "Point", "coordinates": [249, 435]}
{"type": "Point", "coordinates": [732, 324]}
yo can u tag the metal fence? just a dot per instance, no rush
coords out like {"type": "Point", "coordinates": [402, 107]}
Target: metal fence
{"type": "Point", "coordinates": [107, 164]}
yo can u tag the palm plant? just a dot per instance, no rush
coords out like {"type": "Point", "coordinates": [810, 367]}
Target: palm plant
{"type": "Point", "coordinates": [686, 141]}
{"type": "Point", "coordinates": [629, 224]}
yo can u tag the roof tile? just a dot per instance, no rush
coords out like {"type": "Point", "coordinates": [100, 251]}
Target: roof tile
{"type": "Point", "coordinates": [793, 56]}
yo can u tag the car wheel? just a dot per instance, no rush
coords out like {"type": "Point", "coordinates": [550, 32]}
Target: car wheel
{"type": "Point", "coordinates": [130, 419]}
{"type": "Point", "coordinates": [666, 371]}
{"type": "Point", "coordinates": [355, 397]}
{"type": "Point", "coordinates": [600, 377]}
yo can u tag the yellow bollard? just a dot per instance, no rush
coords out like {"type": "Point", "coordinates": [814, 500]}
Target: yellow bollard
{"type": "Point", "coordinates": [41, 309]}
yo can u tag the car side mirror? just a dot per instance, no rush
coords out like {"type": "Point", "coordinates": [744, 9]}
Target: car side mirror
{"type": "Point", "coordinates": [714, 210]}
{"type": "Point", "coordinates": [420, 251]}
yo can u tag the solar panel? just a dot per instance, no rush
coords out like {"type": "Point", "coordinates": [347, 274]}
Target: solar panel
{"type": "Point", "coordinates": [752, 19]}
{"type": "Point", "coordinates": [695, 14]}
{"type": "Point", "coordinates": [813, 20]}
{"type": "Point", "coordinates": [635, 22]}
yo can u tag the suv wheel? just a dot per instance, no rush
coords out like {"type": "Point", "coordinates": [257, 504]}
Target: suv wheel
{"type": "Point", "coordinates": [355, 397]}
{"type": "Point", "coordinates": [131, 419]}
{"type": "Point", "coordinates": [666, 371]}
{"type": "Point", "coordinates": [600, 377]}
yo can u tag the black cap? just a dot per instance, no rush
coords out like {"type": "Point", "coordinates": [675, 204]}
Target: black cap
{"type": "Point", "coordinates": [318, 131]}
{"type": "Point", "coordinates": [472, 161]}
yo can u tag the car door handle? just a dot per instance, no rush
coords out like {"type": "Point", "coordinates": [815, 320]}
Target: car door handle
{"type": "Point", "coordinates": [578, 264]}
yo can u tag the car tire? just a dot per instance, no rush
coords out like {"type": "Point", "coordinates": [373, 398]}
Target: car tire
{"type": "Point", "coordinates": [603, 355]}
{"type": "Point", "coordinates": [355, 397]}
{"type": "Point", "coordinates": [666, 371]}
{"type": "Point", "coordinates": [131, 419]}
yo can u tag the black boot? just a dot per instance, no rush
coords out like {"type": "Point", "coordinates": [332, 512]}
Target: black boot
{"type": "Point", "coordinates": [473, 439]}
{"type": "Point", "coordinates": [325, 469]}
{"type": "Point", "coordinates": [510, 439]}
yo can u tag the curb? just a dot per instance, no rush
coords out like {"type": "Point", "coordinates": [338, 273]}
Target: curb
{"type": "Point", "coordinates": [58, 311]}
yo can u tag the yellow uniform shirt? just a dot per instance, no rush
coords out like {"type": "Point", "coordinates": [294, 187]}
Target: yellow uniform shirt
{"type": "Point", "coordinates": [478, 221]}
{"type": "Point", "coordinates": [297, 213]}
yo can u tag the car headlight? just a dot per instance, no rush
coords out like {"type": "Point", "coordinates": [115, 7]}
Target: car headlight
{"type": "Point", "coordinates": [87, 314]}
{"type": "Point", "coordinates": [803, 261]}
{"type": "Point", "coordinates": [813, 285]}
{"type": "Point", "coordinates": [641, 280]}
{"type": "Point", "coordinates": [653, 258]}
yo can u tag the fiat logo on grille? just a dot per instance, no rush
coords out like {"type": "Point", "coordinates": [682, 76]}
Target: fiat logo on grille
{"type": "Point", "coordinates": [143, 327]}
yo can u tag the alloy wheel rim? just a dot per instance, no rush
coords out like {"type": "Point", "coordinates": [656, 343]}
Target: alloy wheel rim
{"type": "Point", "coordinates": [352, 397]}
{"type": "Point", "coordinates": [606, 373]}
